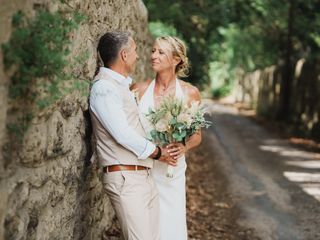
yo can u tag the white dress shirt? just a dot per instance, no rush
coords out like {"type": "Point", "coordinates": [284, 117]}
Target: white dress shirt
{"type": "Point", "coordinates": [106, 104]}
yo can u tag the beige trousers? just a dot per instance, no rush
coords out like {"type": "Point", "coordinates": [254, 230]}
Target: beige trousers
{"type": "Point", "coordinates": [135, 200]}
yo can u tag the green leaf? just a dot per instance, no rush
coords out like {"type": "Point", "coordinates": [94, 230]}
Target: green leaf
{"type": "Point", "coordinates": [162, 137]}
{"type": "Point", "coordinates": [183, 133]}
{"type": "Point", "coordinates": [173, 121]}
{"type": "Point", "coordinates": [154, 134]}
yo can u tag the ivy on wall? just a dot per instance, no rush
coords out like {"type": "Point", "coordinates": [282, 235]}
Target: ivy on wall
{"type": "Point", "coordinates": [36, 55]}
{"type": "Point", "coordinates": [37, 49]}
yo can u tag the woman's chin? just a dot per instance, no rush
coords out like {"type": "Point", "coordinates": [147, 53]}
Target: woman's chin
{"type": "Point", "coordinates": [154, 68]}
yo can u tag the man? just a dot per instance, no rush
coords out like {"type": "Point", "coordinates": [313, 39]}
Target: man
{"type": "Point", "coordinates": [121, 147]}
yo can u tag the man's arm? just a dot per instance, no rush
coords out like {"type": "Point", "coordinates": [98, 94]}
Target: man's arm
{"type": "Point", "coordinates": [106, 104]}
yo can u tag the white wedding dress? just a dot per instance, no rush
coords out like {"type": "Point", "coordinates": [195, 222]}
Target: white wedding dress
{"type": "Point", "coordinates": [172, 194]}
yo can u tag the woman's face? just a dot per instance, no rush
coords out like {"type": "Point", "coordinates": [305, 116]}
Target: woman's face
{"type": "Point", "coordinates": [161, 58]}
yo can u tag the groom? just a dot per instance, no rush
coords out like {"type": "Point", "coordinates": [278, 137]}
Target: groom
{"type": "Point", "coordinates": [122, 149]}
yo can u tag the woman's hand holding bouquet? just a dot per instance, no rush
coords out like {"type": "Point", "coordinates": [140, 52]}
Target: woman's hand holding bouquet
{"type": "Point", "coordinates": [173, 122]}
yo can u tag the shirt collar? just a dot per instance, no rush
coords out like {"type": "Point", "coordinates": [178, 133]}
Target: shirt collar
{"type": "Point", "coordinates": [117, 76]}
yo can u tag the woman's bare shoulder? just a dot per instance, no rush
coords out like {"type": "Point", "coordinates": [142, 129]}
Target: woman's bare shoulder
{"type": "Point", "coordinates": [140, 87]}
{"type": "Point", "coordinates": [192, 91]}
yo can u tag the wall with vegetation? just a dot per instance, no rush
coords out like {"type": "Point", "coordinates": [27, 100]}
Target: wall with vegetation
{"type": "Point", "coordinates": [49, 189]}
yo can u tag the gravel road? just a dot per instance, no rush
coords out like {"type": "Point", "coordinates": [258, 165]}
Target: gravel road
{"type": "Point", "coordinates": [245, 182]}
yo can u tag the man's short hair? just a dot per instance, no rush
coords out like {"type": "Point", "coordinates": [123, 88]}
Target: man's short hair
{"type": "Point", "coordinates": [110, 44]}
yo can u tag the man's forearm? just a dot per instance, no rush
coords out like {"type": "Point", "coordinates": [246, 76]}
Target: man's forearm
{"type": "Point", "coordinates": [156, 153]}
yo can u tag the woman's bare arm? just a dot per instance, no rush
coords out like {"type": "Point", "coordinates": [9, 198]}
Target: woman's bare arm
{"type": "Point", "coordinates": [178, 149]}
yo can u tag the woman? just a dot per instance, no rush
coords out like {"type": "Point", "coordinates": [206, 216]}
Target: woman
{"type": "Point", "coordinates": [169, 61]}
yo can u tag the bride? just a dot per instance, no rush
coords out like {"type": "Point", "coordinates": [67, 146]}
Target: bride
{"type": "Point", "coordinates": [169, 61]}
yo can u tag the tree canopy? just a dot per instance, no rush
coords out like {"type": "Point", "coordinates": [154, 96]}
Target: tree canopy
{"type": "Point", "coordinates": [246, 34]}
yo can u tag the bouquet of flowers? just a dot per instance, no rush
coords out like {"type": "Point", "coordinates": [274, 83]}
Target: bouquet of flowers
{"type": "Point", "coordinates": [175, 121]}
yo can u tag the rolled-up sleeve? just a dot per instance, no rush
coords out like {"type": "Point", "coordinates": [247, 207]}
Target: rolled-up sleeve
{"type": "Point", "coordinates": [106, 104]}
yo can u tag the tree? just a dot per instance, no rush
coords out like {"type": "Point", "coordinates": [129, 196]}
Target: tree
{"type": "Point", "coordinates": [246, 34]}
{"type": "Point", "coordinates": [196, 21]}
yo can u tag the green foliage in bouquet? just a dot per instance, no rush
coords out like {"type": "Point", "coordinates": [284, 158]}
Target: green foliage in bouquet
{"type": "Point", "coordinates": [175, 121]}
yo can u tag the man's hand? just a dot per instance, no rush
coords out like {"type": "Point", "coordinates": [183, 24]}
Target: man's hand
{"type": "Point", "coordinates": [165, 157]}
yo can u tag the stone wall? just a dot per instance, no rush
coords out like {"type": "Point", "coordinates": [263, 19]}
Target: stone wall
{"type": "Point", "coordinates": [49, 188]}
{"type": "Point", "coordinates": [261, 90]}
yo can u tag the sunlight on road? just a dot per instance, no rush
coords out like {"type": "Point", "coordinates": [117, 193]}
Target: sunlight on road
{"type": "Point", "coordinates": [312, 189]}
{"type": "Point", "coordinates": [288, 152]}
{"type": "Point", "coordinates": [303, 177]}
{"type": "Point", "coordinates": [308, 181]}
{"type": "Point", "coordinates": [305, 164]}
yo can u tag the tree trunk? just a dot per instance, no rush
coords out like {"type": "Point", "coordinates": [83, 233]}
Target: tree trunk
{"type": "Point", "coordinates": [287, 79]}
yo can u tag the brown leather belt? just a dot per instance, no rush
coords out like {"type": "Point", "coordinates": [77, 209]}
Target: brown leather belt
{"type": "Point", "coordinates": [115, 168]}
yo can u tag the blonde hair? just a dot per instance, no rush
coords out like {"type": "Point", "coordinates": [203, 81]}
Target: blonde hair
{"type": "Point", "coordinates": [179, 50]}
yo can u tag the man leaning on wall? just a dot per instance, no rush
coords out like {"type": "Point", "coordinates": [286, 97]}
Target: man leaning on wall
{"type": "Point", "coordinates": [123, 152]}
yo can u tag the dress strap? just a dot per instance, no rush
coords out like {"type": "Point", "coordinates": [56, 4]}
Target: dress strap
{"type": "Point", "coordinates": [148, 94]}
{"type": "Point", "coordinates": [179, 92]}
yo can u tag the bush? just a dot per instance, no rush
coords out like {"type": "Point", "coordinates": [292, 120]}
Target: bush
{"type": "Point", "coordinates": [222, 91]}
{"type": "Point", "coordinates": [315, 132]}
{"type": "Point", "coordinates": [37, 49]}
{"type": "Point", "coordinates": [36, 54]}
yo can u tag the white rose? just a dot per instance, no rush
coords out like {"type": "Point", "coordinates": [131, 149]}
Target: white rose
{"type": "Point", "coordinates": [185, 118]}
{"type": "Point", "coordinates": [162, 125]}
{"type": "Point", "coordinates": [194, 108]}
{"type": "Point", "coordinates": [167, 117]}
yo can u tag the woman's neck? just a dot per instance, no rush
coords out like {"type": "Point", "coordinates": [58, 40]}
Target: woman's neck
{"type": "Point", "coordinates": [164, 79]}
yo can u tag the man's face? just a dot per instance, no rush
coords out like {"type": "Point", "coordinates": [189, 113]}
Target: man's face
{"type": "Point", "coordinates": [132, 56]}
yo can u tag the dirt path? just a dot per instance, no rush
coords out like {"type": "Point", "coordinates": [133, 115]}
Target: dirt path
{"type": "Point", "coordinates": [246, 183]}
